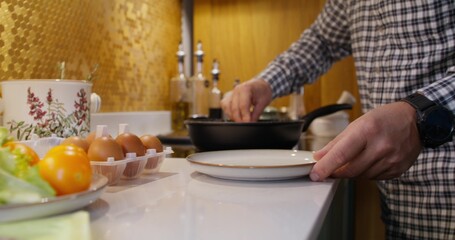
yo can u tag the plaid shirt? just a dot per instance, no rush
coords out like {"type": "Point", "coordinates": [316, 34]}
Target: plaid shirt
{"type": "Point", "coordinates": [399, 47]}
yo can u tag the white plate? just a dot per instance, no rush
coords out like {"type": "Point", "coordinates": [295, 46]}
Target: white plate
{"type": "Point", "coordinates": [57, 205]}
{"type": "Point", "coordinates": [253, 165]}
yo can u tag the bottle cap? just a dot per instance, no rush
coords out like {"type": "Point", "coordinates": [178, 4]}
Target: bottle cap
{"type": "Point", "coordinates": [199, 53]}
{"type": "Point", "coordinates": [180, 52]}
{"type": "Point", "coordinates": [215, 70]}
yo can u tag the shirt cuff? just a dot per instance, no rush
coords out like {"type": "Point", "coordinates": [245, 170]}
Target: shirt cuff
{"type": "Point", "coordinates": [442, 91]}
{"type": "Point", "coordinates": [275, 77]}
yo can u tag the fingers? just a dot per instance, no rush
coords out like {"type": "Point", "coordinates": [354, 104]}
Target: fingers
{"type": "Point", "coordinates": [346, 147]}
{"type": "Point", "coordinates": [317, 155]}
{"type": "Point", "coordinates": [378, 171]}
{"type": "Point", "coordinates": [225, 104]}
{"type": "Point", "coordinates": [386, 168]}
{"type": "Point", "coordinates": [230, 105]}
{"type": "Point", "coordinates": [374, 146]}
{"type": "Point", "coordinates": [240, 103]}
{"type": "Point", "coordinates": [257, 110]}
{"type": "Point", "coordinates": [357, 166]}
{"type": "Point", "coordinates": [237, 104]}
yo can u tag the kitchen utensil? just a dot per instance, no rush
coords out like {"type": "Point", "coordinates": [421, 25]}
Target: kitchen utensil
{"type": "Point", "coordinates": [209, 134]}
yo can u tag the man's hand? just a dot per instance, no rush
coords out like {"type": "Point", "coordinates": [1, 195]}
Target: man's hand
{"type": "Point", "coordinates": [382, 144]}
{"type": "Point", "coordinates": [254, 93]}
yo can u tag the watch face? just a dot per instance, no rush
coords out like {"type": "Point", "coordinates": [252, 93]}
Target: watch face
{"type": "Point", "coordinates": [438, 124]}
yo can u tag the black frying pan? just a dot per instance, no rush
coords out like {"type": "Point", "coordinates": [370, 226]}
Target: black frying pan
{"type": "Point", "coordinates": [211, 135]}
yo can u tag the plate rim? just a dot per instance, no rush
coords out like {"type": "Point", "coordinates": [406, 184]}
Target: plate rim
{"type": "Point", "coordinates": [91, 190]}
{"type": "Point", "coordinates": [188, 158]}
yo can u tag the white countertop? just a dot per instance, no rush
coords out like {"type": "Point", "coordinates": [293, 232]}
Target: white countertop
{"type": "Point", "coordinates": [178, 203]}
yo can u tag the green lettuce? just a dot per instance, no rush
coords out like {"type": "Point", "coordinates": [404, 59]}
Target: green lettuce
{"type": "Point", "coordinates": [19, 182]}
{"type": "Point", "coordinates": [73, 226]}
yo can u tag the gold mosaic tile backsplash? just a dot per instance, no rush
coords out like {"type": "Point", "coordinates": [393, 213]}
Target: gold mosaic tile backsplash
{"type": "Point", "coordinates": [132, 41]}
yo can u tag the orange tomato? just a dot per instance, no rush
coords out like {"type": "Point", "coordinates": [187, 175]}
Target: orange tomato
{"type": "Point", "coordinates": [67, 169]}
{"type": "Point", "coordinates": [31, 155]}
{"type": "Point", "coordinates": [65, 147]}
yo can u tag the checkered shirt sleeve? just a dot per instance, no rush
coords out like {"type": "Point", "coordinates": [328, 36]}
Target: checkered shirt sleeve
{"type": "Point", "coordinates": [325, 42]}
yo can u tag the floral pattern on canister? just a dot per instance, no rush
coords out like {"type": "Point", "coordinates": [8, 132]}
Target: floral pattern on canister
{"type": "Point", "coordinates": [50, 117]}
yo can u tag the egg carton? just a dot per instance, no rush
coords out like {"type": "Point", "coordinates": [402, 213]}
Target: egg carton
{"type": "Point", "coordinates": [131, 167]}
{"type": "Point", "coordinates": [42, 145]}
{"type": "Point", "coordinates": [154, 163]}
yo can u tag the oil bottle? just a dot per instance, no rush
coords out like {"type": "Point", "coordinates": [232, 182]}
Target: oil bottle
{"type": "Point", "coordinates": [296, 107]}
{"type": "Point", "coordinates": [199, 87]}
{"type": "Point", "coordinates": [179, 94]}
{"type": "Point", "coordinates": [215, 111]}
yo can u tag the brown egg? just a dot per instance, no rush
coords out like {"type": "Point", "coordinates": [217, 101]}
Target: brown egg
{"type": "Point", "coordinates": [131, 144]}
{"type": "Point", "coordinates": [78, 141]}
{"type": "Point", "coordinates": [152, 142]}
{"type": "Point", "coordinates": [104, 147]}
{"type": "Point", "coordinates": [91, 136]}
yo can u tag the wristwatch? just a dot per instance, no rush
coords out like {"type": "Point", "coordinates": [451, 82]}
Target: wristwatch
{"type": "Point", "coordinates": [435, 123]}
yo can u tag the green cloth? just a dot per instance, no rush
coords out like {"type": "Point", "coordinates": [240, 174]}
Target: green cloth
{"type": "Point", "coordinates": [73, 226]}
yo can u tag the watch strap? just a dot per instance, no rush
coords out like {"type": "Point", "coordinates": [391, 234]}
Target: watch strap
{"type": "Point", "coordinates": [426, 125]}
{"type": "Point", "coordinates": [419, 102]}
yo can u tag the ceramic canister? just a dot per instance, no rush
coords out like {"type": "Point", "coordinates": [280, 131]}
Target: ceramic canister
{"type": "Point", "coordinates": [47, 107]}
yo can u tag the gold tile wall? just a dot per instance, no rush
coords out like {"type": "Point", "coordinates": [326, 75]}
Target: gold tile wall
{"type": "Point", "coordinates": [133, 41]}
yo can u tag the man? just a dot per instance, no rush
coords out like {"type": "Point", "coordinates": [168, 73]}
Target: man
{"type": "Point", "coordinates": [404, 54]}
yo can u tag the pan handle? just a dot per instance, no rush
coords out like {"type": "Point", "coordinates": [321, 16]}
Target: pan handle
{"type": "Point", "coordinates": [322, 111]}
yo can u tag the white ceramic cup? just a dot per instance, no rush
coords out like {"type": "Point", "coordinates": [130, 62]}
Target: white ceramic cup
{"type": "Point", "coordinates": [47, 107]}
{"type": "Point", "coordinates": [330, 125]}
